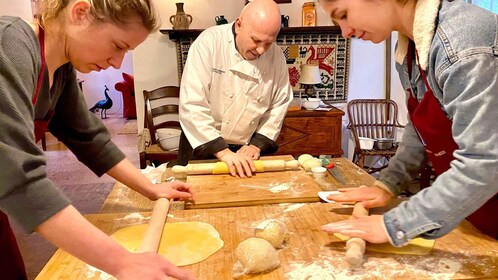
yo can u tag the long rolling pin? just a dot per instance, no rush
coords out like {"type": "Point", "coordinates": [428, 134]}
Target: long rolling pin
{"type": "Point", "coordinates": [355, 247]}
{"type": "Point", "coordinates": [153, 233]}
{"type": "Point", "coordinates": [222, 167]}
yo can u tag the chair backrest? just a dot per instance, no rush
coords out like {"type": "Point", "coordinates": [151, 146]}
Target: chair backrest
{"type": "Point", "coordinates": [161, 109]}
{"type": "Point", "coordinates": [373, 118]}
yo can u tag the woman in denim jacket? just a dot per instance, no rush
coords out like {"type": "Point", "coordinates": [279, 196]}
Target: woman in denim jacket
{"type": "Point", "coordinates": [447, 60]}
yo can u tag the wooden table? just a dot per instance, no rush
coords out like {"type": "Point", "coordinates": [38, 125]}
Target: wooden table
{"type": "Point", "coordinates": [462, 254]}
{"type": "Point", "coordinates": [224, 190]}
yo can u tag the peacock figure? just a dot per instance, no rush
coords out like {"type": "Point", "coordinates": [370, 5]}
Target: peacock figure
{"type": "Point", "coordinates": [103, 105]}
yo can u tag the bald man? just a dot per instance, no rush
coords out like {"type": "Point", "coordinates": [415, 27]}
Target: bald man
{"type": "Point", "coordinates": [235, 91]}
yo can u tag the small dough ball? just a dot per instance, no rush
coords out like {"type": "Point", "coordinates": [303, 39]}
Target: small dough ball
{"type": "Point", "coordinates": [310, 163]}
{"type": "Point", "coordinates": [304, 157]}
{"type": "Point", "coordinates": [272, 231]}
{"type": "Point", "coordinates": [256, 255]}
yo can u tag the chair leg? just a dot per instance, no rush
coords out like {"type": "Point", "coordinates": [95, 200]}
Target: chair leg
{"type": "Point", "coordinates": [143, 160]}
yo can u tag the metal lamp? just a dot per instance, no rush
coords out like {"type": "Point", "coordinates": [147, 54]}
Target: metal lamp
{"type": "Point", "coordinates": [310, 75]}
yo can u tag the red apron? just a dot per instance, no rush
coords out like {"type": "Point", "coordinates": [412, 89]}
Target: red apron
{"type": "Point", "coordinates": [434, 130]}
{"type": "Point", "coordinates": [11, 263]}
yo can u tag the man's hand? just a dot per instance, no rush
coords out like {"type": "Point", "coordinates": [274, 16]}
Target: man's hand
{"type": "Point", "coordinates": [369, 196]}
{"type": "Point", "coordinates": [250, 151]}
{"type": "Point", "coordinates": [237, 163]}
{"type": "Point", "coordinates": [368, 228]}
{"type": "Point", "coordinates": [176, 189]}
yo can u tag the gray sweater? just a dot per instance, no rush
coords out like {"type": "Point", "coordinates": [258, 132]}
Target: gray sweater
{"type": "Point", "coordinates": [26, 194]}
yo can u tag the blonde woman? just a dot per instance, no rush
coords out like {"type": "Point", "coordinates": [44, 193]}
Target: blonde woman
{"type": "Point", "coordinates": [38, 88]}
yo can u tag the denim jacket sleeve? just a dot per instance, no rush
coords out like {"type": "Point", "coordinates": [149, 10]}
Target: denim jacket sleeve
{"type": "Point", "coordinates": [467, 89]}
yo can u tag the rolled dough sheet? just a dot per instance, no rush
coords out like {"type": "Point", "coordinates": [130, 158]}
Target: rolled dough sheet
{"type": "Point", "coordinates": [417, 246]}
{"type": "Point", "coordinates": [182, 243]}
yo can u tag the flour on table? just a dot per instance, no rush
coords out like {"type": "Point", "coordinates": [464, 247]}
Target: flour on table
{"type": "Point", "coordinates": [291, 206]}
{"type": "Point", "coordinates": [335, 267]}
{"type": "Point", "coordinates": [278, 187]}
{"type": "Point", "coordinates": [136, 216]}
{"type": "Point", "coordinates": [93, 272]}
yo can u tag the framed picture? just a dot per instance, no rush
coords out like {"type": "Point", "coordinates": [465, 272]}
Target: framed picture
{"type": "Point", "coordinates": [283, 1]}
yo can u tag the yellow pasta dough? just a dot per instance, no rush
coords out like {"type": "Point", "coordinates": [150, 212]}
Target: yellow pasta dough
{"type": "Point", "coordinates": [417, 246]}
{"type": "Point", "coordinates": [182, 243]}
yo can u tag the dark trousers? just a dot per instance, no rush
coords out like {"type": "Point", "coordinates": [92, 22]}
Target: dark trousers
{"type": "Point", "coordinates": [11, 263]}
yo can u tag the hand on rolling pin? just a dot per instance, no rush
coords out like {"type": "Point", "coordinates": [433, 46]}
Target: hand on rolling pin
{"type": "Point", "coordinates": [369, 196]}
{"type": "Point", "coordinates": [176, 190]}
{"type": "Point", "coordinates": [369, 228]}
{"type": "Point", "coordinates": [237, 163]}
{"type": "Point", "coordinates": [250, 151]}
{"type": "Point", "coordinates": [150, 266]}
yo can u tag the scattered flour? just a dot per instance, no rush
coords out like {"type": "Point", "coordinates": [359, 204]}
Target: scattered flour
{"type": "Point", "coordinates": [291, 206]}
{"type": "Point", "coordinates": [134, 216]}
{"type": "Point", "coordinates": [93, 272]}
{"type": "Point", "coordinates": [327, 267]}
{"type": "Point", "coordinates": [278, 187]}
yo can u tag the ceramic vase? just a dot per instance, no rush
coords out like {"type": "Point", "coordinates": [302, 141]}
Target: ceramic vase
{"type": "Point", "coordinates": [180, 20]}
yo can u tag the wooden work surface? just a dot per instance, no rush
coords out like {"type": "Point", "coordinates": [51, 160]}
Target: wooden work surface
{"type": "Point", "coordinates": [462, 254]}
{"type": "Point", "coordinates": [123, 199]}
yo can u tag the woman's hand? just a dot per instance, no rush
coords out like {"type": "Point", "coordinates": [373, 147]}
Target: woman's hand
{"type": "Point", "coordinates": [176, 189]}
{"type": "Point", "coordinates": [368, 228]}
{"type": "Point", "coordinates": [369, 196]}
{"type": "Point", "coordinates": [150, 266]}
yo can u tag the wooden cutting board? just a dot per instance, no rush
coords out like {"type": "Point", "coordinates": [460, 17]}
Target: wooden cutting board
{"type": "Point", "coordinates": [462, 254]}
{"type": "Point", "coordinates": [213, 191]}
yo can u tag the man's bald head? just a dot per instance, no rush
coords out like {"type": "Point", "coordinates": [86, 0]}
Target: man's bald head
{"type": "Point", "coordinates": [264, 14]}
{"type": "Point", "coordinates": [257, 28]}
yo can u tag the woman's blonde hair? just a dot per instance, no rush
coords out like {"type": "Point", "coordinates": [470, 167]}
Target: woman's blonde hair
{"type": "Point", "coordinates": [116, 11]}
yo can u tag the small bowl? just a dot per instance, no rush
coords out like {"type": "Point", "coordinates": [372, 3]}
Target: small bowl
{"type": "Point", "coordinates": [384, 143]}
{"type": "Point", "coordinates": [319, 172]}
{"type": "Point", "coordinates": [168, 138]}
{"type": "Point", "coordinates": [311, 103]}
{"type": "Point", "coordinates": [366, 143]}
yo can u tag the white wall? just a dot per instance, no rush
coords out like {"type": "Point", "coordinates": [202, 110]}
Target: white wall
{"type": "Point", "coordinates": [19, 8]}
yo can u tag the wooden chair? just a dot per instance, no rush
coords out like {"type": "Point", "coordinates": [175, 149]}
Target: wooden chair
{"type": "Point", "coordinates": [373, 118]}
{"type": "Point", "coordinates": [161, 111]}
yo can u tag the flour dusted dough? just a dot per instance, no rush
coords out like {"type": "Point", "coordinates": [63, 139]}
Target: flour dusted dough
{"type": "Point", "coordinates": [256, 255]}
{"type": "Point", "coordinates": [272, 231]}
{"type": "Point", "coordinates": [304, 157]}
{"type": "Point", "coordinates": [417, 246]}
{"type": "Point", "coordinates": [182, 243]}
{"type": "Point", "coordinates": [310, 163]}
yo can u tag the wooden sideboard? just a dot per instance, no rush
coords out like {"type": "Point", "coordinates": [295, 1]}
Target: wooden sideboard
{"type": "Point", "coordinates": [311, 132]}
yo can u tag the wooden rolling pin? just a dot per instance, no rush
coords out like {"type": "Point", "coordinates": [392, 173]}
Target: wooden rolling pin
{"type": "Point", "coordinates": [154, 231]}
{"type": "Point", "coordinates": [355, 247]}
{"type": "Point", "coordinates": [222, 167]}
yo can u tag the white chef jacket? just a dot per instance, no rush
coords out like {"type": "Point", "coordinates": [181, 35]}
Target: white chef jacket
{"type": "Point", "coordinates": [222, 94]}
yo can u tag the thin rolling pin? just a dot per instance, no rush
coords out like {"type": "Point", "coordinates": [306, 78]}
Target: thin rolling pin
{"type": "Point", "coordinates": [153, 234]}
{"type": "Point", "coordinates": [355, 247]}
{"type": "Point", "coordinates": [222, 168]}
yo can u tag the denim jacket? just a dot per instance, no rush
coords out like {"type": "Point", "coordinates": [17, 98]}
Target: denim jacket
{"type": "Point", "coordinates": [457, 44]}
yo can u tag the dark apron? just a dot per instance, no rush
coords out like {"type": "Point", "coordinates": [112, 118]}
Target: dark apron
{"type": "Point", "coordinates": [434, 130]}
{"type": "Point", "coordinates": [11, 262]}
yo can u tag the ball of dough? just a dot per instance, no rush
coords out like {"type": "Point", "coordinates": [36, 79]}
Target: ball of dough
{"type": "Point", "coordinates": [272, 231]}
{"type": "Point", "coordinates": [310, 163]}
{"type": "Point", "coordinates": [256, 255]}
{"type": "Point", "coordinates": [304, 157]}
